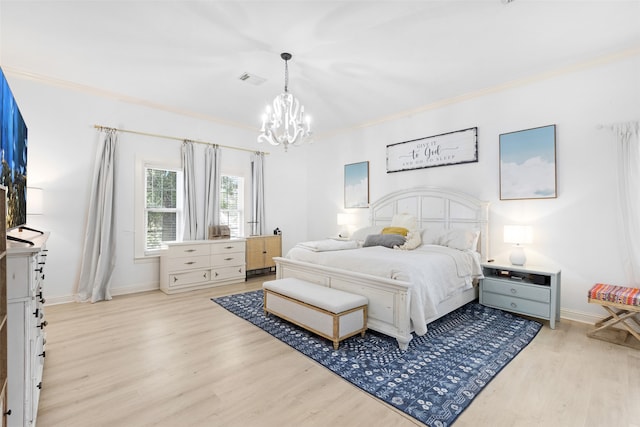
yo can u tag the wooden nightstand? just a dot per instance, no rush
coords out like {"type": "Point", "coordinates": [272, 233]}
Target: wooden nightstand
{"type": "Point", "coordinates": [529, 290]}
{"type": "Point", "coordinates": [260, 252]}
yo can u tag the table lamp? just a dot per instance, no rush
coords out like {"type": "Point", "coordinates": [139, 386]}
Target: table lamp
{"type": "Point", "coordinates": [518, 235]}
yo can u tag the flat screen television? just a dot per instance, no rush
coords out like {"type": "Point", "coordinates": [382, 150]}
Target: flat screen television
{"type": "Point", "coordinates": [13, 144]}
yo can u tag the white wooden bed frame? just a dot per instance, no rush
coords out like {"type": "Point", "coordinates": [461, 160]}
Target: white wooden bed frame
{"type": "Point", "coordinates": [389, 300]}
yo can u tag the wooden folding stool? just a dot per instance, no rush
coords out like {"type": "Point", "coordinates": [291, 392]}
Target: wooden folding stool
{"type": "Point", "coordinates": [623, 304]}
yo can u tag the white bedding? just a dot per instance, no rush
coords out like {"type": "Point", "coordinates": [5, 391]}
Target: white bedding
{"type": "Point", "coordinates": [328, 245]}
{"type": "Point", "coordinates": [434, 272]}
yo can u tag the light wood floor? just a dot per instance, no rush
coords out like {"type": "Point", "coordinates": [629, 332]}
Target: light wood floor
{"type": "Point", "coordinates": [181, 360]}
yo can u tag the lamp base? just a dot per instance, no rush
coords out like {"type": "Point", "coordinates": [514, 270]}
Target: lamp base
{"type": "Point", "coordinates": [517, 256]}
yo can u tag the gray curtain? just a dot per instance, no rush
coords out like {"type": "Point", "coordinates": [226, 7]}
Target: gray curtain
{"type": "Point", "coordinates": [257, 194]}
{"type": "Point", "coordinates": [212, 186]}
{"type": "Point", "coordinates": [99, 254]}
{"type": "Point", "coordinates": [190, 196]}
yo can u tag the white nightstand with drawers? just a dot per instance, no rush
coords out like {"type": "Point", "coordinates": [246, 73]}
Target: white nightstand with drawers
{"type": "Point", "coordinates": [529, 290]}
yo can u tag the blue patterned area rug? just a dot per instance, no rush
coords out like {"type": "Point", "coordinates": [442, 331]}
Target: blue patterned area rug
{"type": "Point", "coordinates": [434, 380]}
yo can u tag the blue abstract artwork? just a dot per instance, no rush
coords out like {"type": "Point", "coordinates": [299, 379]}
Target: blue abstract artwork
{"type": "Point", "coordinates": [13, 146]}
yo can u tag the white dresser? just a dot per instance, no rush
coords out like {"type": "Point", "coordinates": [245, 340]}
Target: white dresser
{"type": "Point", "coordinates": [198, 264]}
{"type": "Point", "coordinates": [26, 337]}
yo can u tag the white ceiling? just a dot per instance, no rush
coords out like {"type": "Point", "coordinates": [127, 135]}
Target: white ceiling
{"type": "Point", "coordinates": [354, 62]}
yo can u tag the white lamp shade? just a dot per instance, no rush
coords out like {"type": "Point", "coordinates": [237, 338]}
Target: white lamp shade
{"type": "Point", "coordinates": [34, 201]}
{"type": "Point", "coordinates": [518, 234]}
{"type": "Point", "coordinates": [344, 219]}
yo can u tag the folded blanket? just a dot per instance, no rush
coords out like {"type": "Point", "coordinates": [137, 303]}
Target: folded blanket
{"type": "Point", "coordinates": [328, 245]}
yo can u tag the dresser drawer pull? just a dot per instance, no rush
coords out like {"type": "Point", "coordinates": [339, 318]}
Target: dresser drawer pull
{"type": "Point", "coordinates": [228, 247]}
{"type": "Point", "coordinates": [204, 275]}
{"type": "Point", "coordinates": [189, 250]}
{"type": "Point", "coordinates": [190, 262]}
{"type": "Point", "coordinates": [514, 305]}
{"type": "Point", "coordinates": [514, 291]}
{"type": "Point", "coordinates": [228, 259]}
{"type": "Point", "coordinates": [175, 279]}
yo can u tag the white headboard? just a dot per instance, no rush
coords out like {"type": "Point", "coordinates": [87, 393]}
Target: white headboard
{"type": "Point", "coordinates": [436, 208]}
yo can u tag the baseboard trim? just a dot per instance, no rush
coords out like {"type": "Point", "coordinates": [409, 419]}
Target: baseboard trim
{"type": "Point", "coordinates": [580, 316]}
{"type": "Point", "coordinates": [145, 287]}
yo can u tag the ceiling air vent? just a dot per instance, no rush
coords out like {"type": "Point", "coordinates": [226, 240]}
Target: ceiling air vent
{"type": "Point", "coordinates": [252, 78]}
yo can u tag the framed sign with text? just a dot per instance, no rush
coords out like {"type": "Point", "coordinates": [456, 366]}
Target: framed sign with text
{"type": "Point", "coordinates": [446, 149]}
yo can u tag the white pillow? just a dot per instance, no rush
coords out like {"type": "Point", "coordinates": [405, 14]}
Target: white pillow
{"type": "Point", "coordinates": [405, 220]}
{"type": "Point", "coordinates": [431, 236]}
{"type": "Point", "coordinates": [361, 234]}
{"type": "Point", "coordinates": [460, 239]}
{"type": "Point", "coordinates": [413, 240]}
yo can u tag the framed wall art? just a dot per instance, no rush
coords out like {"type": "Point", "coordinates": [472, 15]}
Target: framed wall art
{"type": "Point", "coordinates": [528, 164]}
{"type": "Point", "coordinates": [445, 149]}
{"type": "Point", "coordinates": [356, 185]}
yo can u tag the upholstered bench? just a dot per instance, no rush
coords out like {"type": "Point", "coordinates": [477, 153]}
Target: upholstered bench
{"type": "Point", "coordinates": [623, 304]}
{"type": "Point", "coordinates": [328, 312]}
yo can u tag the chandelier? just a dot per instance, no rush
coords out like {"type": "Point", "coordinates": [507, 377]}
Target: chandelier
{"type": "Point", "coordinates": [285, 124]}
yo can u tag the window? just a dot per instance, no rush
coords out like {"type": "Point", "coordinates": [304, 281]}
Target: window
{"type": "Point", "coordinates": [232, 204]}
{"type": "Point", "coordinates": [159, 215]}
{"type": "Point", "coordinates": [163, 206]}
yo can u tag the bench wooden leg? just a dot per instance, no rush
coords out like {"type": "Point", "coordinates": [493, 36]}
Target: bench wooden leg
{"type": "Point", "coordinates": [617, 317]}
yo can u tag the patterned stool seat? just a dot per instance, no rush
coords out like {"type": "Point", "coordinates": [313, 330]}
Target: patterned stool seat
{"type": "Point", "coordinates": [617, 294]}
{"type": "Point", "coordinates": [623, 303]}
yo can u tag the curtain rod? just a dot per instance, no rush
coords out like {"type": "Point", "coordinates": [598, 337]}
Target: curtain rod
{"type": "Point", "coordinates": [99, 127]}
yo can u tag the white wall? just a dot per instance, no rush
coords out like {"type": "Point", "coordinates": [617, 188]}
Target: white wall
{"type": "Point", "coordinates": [577, 231]}
{"type": "Point", "coordinates": [61, 154]}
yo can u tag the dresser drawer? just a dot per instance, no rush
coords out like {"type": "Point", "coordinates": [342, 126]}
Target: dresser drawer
{"type": "Point", "coordinates": [187, 263]}
{"type": "Point", "coordinates": [519, 305]}
{"type": "Point", "coordinates": [188, 250]}
{"type": "Point", "coordinates": [226, 273]}
{"type": "Point", "coordinates": [228, 259]}
{"type": "Point", "coordinates": [21, 278]}
{"type": "Point", "coordinates": [518, 290]}
{"type": "Point", "coordinates": [227, 247]}
{"type": "Point", "coordinates": [189, 278]}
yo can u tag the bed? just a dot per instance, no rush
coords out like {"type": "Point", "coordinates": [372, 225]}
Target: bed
{"type": "Point", "coordinates": [399, 286]}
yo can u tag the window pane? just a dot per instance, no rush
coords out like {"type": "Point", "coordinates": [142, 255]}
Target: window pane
{"type": "Point", "coordinates": [229, 192]}
{"type": "Point", "coordinates": [232, 219]}
{"type": "Point", "coordinates": [231, 203]}
{"type": "Point", "coordinates": [161, 188]}
{"type": "Point", "coordinates": [161, 227]}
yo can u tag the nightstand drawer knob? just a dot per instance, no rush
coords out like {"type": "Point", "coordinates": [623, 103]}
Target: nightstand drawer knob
{"type": "Point", "coordinates": [514, 291]}
{"type": "Point", "coordinates": [514, 305]}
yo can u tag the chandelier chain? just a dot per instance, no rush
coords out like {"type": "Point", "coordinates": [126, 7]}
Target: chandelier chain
{"type": "Point", "coordinates": [286, 75]}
